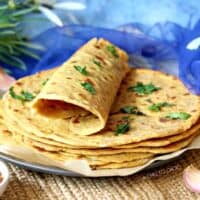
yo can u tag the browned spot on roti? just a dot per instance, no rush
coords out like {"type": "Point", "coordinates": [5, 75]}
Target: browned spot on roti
{"type": "Point", "coordinates": [174, 97]}
{"type": "Point", "coordinates": [100, 58]}
{"type": "Point", "coordinates": [19, 83]}
{"type": "Point", "coordinates": [76, 121]}
{"type": "Point", "coordinates": [162, 119]}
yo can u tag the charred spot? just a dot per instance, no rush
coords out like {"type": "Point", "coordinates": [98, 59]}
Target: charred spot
{"type": "Point", "coordinates": [89, 81]}
{"type": "Point", "coordinates": [108, 128]}
{"type": "Point", "coordinates": [118, 93]}
{"type": "Point", "coordinates": [73, 61]}
{"type": "Point", "coordinates": [81, 156]}
{"type": "Point", "coordinates": [29, 119]}
{"type": "Point", "coordinates": [19, 83]}
{"type": "Point", "coordinates": [100, 59]}
{"type": "Point", "coordinates": [39, 148]}
{"type": "Point", "coordinates": [6, 131]}
{"type": "Point", "coordinates": [174, 97]}
{"type": "Point", "coordinates": [82, 95]}
{"type": "Point", "coordinates": [172, 87]}
{"type": "Point", "coordinates": [162, 119]}
{"type": "Point", "coordinates": [69, 78]}
{"type": "Point", "coordinates": [186, 94]}
{"type": "Point", "coordinates": [194, 111]}
{"type": "Point", "coordinates": [53, 83]}
{"type": "Point", "coordinates": [16, 110]}
{"type": "Point", "coordinates": [97, 46]}
{"type": "Point", "coordinates": [76, 121]}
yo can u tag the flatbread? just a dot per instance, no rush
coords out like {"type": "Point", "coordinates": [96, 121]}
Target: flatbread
{"type": "Point", "coordinates": [63, 96]}
{"type": "Point", "coordinates": [123, 165]}
{"type": "Point", "coordinates": [142, 127]}
{"type": "Point", "coordinates": [109, 151]}
{"type": "Point", "coordinates": [7, 138]}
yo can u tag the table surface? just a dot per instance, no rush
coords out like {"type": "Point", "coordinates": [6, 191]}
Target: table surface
{"type": "Point", "coordinates": [161, 183]}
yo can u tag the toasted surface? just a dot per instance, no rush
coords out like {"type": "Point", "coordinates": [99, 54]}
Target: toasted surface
{"type": "Point", "coordinates": [64, 95]}
{"type": "Point", "coordinates": [142, 127]}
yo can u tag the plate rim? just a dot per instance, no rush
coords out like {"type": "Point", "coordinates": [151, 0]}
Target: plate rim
{"type": "Point", "coordinates": [36, 167]}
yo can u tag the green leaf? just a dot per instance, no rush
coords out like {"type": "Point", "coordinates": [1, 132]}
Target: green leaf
{"type": "Point", "coordinates": [27, 52]}
{"type": "Point", "coordinates": [178, 115]}
{"type": "Point", "coordinates": [24, 11]}
{"type": "Point", "coordinates": [82, 70]}
{"type": "Point", "coordinates": [112, 50]}
{"type": "Point", "coordinates": [24, 96]}
{"type": "Point", "coordinates": [123, 127]}
{"type": "Point", "coordinates": [143, 89]}
{"type": "Point", "coordinates": [3, 7]}
{"type": "Point", "coordinates": [131, 110]}
{"type": "Point", "coordinates": [7, 25]}
{"type": "Point", "coordinates": [45, 81]}
{"type": "Point", "coordinates": [29, 45]}
{"type": "Point", "coordinates": [13, 61]}
{"type": "Point", "coordinates": [96, 62]}
{"type": "Point", "coordinates": [6, 33]}
{"type": "Point", "coordinates": [89, 87]}
{"type": "Point", "coordinates": [27, 96]}
{"type": "Point", "coordinates": [156, 107]}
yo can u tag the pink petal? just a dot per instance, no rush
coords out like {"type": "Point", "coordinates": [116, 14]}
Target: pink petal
{"type": "Point", "coordinates": [5, 80]}
{"type": "Point", "coordinates": [191, 177]}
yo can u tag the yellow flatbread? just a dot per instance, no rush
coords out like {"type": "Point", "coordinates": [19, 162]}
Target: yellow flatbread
{"type": "Point", "coordinates": [142, 127]}
{"type": "Point", "coordinates": [77, 89]}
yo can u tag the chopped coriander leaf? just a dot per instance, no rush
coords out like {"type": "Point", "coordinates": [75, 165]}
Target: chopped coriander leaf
{"type": "Point", "coordinates": [96, 62]}
{"type": "Point", "coordinates": [82, 70]}
{"type": "Point", "coordinates": [122, 128]}
{"type": "Point", "coordinates": [143, 89]}
{"type": "Point", "coordinates": [24, 96]}
{"type": "Point", "coordinates": [112, 50]}
{"type": "Point", "coordinates": [89, 87]}
{"type": "Point", "coordinates": [131, 110]}
{"type": "Point", "coordinates": [44, 82]}
{"type": "Point", "coordinates": [27, 96]}
{"type": "Point", "coordinates": [178, 115]}
{"type": "Point", "coordinates": [158, 106]}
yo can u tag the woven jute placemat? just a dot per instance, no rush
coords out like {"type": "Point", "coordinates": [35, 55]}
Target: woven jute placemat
{"type": "Point", "coordinates": [161, 183]}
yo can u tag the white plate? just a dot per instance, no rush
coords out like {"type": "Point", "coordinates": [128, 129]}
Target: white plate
{"type": "Point", "coordinates": [5, 174]}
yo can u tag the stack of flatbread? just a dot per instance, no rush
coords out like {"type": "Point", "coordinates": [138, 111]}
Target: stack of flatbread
{"type": "Point", "coordinates": [95, 108]}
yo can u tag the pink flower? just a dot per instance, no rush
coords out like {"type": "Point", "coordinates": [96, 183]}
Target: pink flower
{"type": "Point", "coordinates": [5, 80]}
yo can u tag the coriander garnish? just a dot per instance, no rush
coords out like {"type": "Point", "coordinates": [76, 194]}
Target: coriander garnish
{"type": "Point", "coordinates": [112, 50]}
{"type": "Point", "coordinates": [123, 126]}
{"type": "Point", "coordinates": [178, 115]}
{"type": "Point", "coordinates": [131, 110]}
{"type": "Point", "coordinates": [82, 70]}
{"type": "Point", "coordinates": [143, 89]}
{"type": "Point", "coordinates": [24, 95]}
{"type": "Point", "coordinates": [89, 87]}
{"type": "Point", "coordinates": [44, 82]}
{"type": "Point", "coordinates": [158, 106]}
{"type": "Point", "coordinates": [96, 62]}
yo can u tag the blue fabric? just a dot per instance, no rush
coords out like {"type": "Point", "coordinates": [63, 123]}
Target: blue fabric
{"type": "Point", "coordinates": [160, 47]}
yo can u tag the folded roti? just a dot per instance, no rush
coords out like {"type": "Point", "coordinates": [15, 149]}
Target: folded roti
{"type": "Point", "coordinates": [84, 87]}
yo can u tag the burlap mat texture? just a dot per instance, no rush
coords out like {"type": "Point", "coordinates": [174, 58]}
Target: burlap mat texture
{"type": "Point", "coordinates": [164, 182]}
